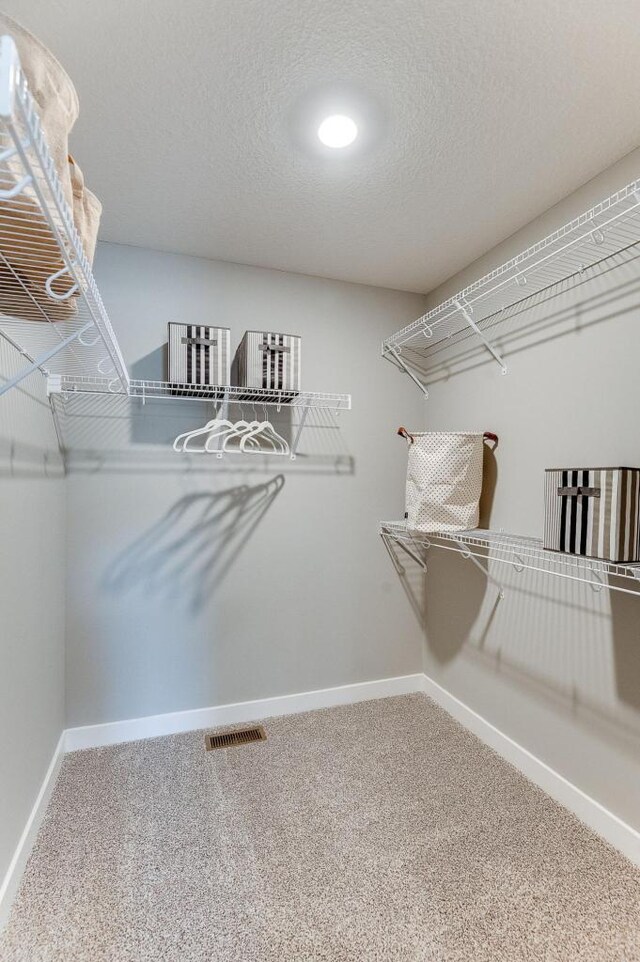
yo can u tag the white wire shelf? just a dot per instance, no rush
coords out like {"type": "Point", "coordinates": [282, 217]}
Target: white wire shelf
{"type": "Point", "coordinates": [517, 551]}
{"type": "Point", "coordinates": [50, 307]}
{"type": "Point", "coordinates": [598, 234]}
{"type": "Point", "coordinates": [96, 424]}
{"type": "Point", "coordinates": [68, 384]}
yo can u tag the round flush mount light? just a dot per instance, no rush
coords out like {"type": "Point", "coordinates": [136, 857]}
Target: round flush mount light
{"type": "Point", "coordinates": [337, 131]}
{"type": "Point", "coordinates": [335, 123]}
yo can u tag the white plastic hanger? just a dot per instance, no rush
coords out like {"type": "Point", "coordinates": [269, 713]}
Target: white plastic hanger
{"type": "Point", "coordinates": [251, 436]}
{"type": "Point", "coordinates": [213, 425]}
{"type": "Point", "coordinates": [222, 430]}
{"type": "Point", "coordinates": [242, 428]}
{"type": "Point", "coordinates": [254, 438]}
{"type": "Point", "coordinates": [265, 431]}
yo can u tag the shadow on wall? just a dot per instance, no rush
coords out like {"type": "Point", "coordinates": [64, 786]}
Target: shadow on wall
{"type": "Point", "coordinates": [451, 615]}
{"type": "Point", "coordinates": [186, 555]}
{"type": "Point", "coordinates": [153, 366]}
{"type": "Point", "coordinates": [489, 483]}
{"type": "Point", "coordinates": [411, 576]}
{"type": "Point", "coordinates": [27, 437]}
{"type": "Point", "coordinates": [625, 633]}
{"type": "Point", "coordinates": [561, 642]}
{"type": "Point", "coordinates": [20, 460]}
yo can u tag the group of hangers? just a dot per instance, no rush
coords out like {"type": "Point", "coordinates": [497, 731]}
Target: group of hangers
{"type": "Point", "coordinates": [246, 437]}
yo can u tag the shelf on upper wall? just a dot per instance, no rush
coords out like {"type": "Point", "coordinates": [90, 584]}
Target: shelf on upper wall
{"type": "Point", "coordinates": [519, 552]}
{"type": "Point", "coordinates": [598, 234]}
{"type": "Point", "coordinates": [79, 386]}
{"type": "Point", "coordinates": [50, 307]}
{"type": "Point", "coordinates": [92, 418]}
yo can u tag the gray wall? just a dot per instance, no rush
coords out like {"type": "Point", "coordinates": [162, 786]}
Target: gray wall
{"type": "Point", "coordinates": [555, 666]}
{"type": "Point", "coordinates": [32, 597]}
{"type": "Point", "coordinates": [190, 582]}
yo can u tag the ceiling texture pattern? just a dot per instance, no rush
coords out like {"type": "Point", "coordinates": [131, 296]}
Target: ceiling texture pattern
{"type": "Point", "coordinates": [197, 123]}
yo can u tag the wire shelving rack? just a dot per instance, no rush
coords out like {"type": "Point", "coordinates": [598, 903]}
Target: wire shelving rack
{"type": "Point", "coordinates": [51, 310]}
{"type": "Point", "coordinates": [607, 229]}
{"type": "Point", "coordinates": [519, 552]}
{"type": "Point", "coordinates": [90, 412]}
{"type": "Point", "coordinates": [73, 385]}
{"type": "Point", "coordinates": [54, 317]}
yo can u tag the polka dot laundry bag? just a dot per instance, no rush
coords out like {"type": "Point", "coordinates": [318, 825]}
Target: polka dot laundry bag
{"type": "Point", "coordinates": [444, 479]}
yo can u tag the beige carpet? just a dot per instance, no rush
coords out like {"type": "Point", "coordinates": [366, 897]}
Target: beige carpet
{"type": "Point", "coordinates": [381, 831]}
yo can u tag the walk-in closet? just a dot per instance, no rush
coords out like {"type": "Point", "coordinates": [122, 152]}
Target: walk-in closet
{"type": "Point", "coordinates": [319, 481]}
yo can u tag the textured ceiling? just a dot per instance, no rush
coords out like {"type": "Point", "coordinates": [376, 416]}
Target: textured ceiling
{"type": "Point", "coordinates": [194, 125]}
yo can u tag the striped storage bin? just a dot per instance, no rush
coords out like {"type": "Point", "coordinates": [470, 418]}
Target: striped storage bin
{"type": "Point", "coordinates": [267, 360]}
{"type": "Point", "coordinates": [199, 355]}
{"type": "Point", "coordinates": [593, 512]}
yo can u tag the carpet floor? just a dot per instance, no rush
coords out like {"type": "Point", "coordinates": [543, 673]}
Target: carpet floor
{"type": "Point", "coordinates": [378, 832]}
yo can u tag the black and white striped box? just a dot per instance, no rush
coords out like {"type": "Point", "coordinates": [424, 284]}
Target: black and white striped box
{"type": "Point", "coordinates": [199, 354]}
{"type": "Point", "coordinates": [268, 360]}
{"type": "Point", "coordinates": [594, 512]}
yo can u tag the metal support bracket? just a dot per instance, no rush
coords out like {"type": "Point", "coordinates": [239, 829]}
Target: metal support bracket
{"type": "Point", "coordinates": [296, 440]}
{"type": "Point", "coordinates": [415, 557]}
{"type": "Point", "coordinates": [466, 553]}
{"type": "Point", "coordinates": [386, 540]}
{"type": "Point", "coordinates": [37, 363]}
{"type": "Point", "coordinates": [598, 582]}
{"type": "Point", "coordinates": [407, 370]}
{"type": "Point", "coordinates": [466, 311]}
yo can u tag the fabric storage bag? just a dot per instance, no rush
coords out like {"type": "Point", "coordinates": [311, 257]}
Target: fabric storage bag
{"type": "Point", "coordinates": [268, 360]}
{"type": "Point", "coordinates": [593, 512]}
{"type": "Point", "coordinates": [199, 354]}
{"type": "Point", "coordinates": [26, 268]}
{"type": "Point", "coordinates": [23, 273]}
{"type": "Point", "coordinates": [444, 479]}
{"type": "Point", "coordinates": [87, 210]}
{"type": "Point", "coordinates": [53, 92]}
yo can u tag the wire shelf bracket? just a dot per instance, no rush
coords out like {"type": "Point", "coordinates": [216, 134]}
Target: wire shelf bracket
{"type": "Point", "coordinates": [296, 439]}
{"type": "Point", "coordinates": [466, 553]}
{"type": "Point", "coordinates": [395, 353]}
{"type": "Point", "coordinates": [466, 311]}
{"type": "Point", "coordinates": [415, 555]}
{"type": "Point", "coordinates": [518, 552]}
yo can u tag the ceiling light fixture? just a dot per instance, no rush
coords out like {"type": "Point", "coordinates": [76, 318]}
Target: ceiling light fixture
{"type": "Point", "coordinates": [337, 131]}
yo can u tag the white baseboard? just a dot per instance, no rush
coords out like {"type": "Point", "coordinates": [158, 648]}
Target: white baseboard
{"type": "Point", "coordinates": [11, 881]}
{"type": "Point", "coordinates": [112, 733]}
{"type": "Point", "coordinates": [622, 836]}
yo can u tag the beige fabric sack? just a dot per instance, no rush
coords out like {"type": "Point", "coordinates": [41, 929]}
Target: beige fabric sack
{"type": "Point", "coordinates": [444, 479]}
{"type": "Point", "coordinates": [29, 252]}
{"type": "Point", "coordinates": [53, 92]}
{"type": "Point", "coordinates": [87, 210]}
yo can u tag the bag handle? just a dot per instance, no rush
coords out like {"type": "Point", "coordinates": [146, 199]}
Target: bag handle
{"type": "Point", "coordinates": [405, 434]}
{"type": "Point", "coordinates": [487, 436]}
